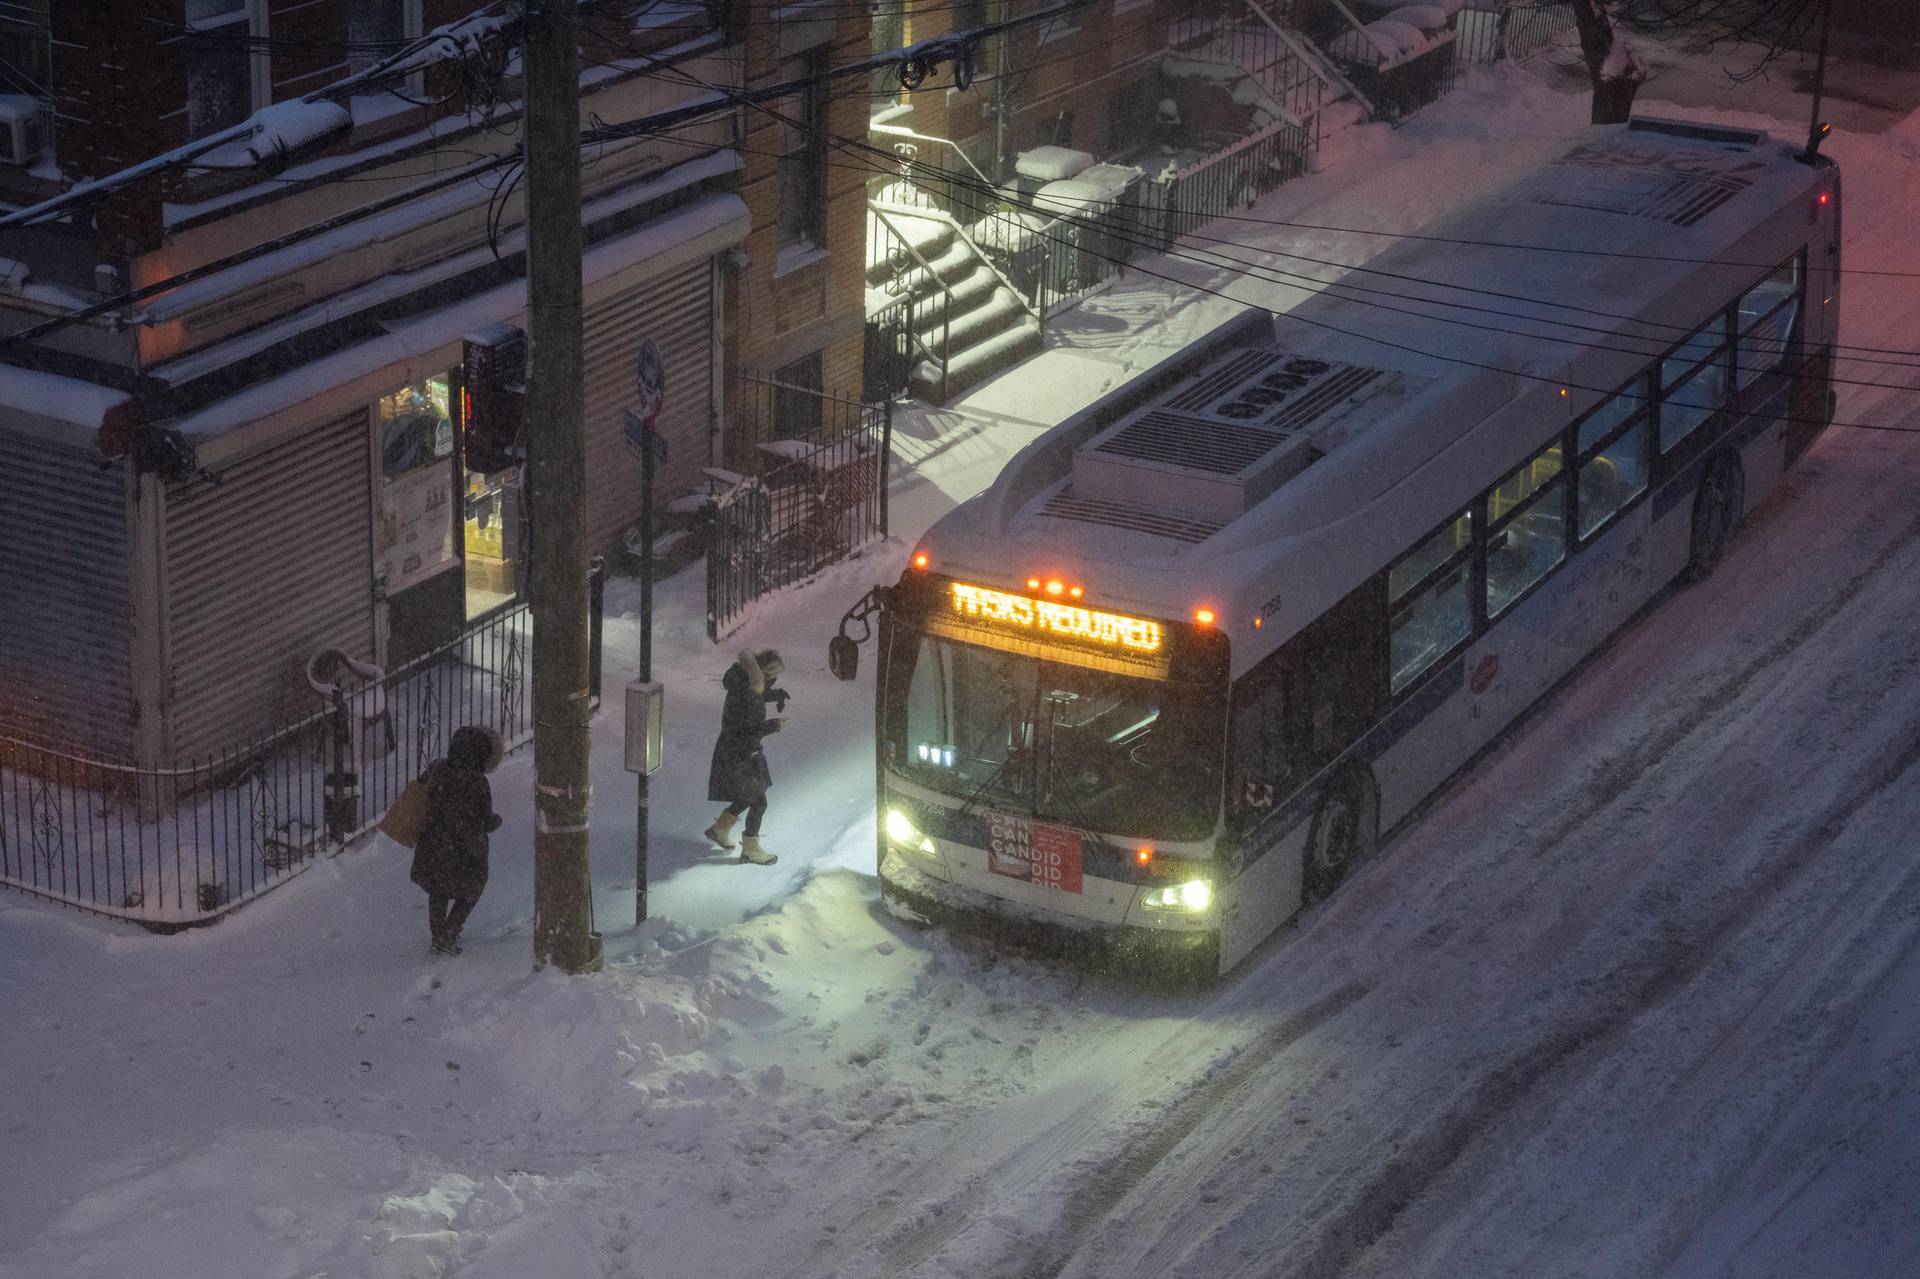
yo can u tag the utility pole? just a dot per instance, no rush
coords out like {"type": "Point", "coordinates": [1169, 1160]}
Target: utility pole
{"type": "Point", "coordinates": [556, 448]}
{"type": "Point", "coordinates": [1814, 130]}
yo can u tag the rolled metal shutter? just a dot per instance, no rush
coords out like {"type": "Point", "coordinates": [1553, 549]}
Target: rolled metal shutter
{"type": "Point", "coordinates": [66, 615]}
{"type": "Point", "coordinates": [262, 571]}
{"type": "Point", "coordinates": [676, 311]}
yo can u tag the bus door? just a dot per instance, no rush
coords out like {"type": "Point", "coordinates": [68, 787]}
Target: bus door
{"type": "Point", "coordinates": [1341, 663]}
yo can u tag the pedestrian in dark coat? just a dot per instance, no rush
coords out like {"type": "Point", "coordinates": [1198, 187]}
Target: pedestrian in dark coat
{"type": "Point", "coordinates": [450, 859]}
{"type": "Point", "coordinates": [739, 777]}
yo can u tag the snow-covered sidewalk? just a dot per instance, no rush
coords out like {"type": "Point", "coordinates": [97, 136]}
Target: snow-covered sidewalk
{"type": "Point", "coordinates": [773, 1078]}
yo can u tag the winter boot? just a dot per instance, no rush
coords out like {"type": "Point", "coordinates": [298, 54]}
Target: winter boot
{"type": "Point", "coordinates": [750, 851]}
{"type": "Point", "coordinates": [721, 828]}
{"type": "Point", "coordinates": [445, 946]}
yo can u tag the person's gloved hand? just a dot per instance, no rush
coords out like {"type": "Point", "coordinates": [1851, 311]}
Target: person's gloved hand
{"type": "Point", "coordinates": [780, 698]}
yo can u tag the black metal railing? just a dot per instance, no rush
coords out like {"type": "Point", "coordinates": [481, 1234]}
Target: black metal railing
{"type": "Point", "coordinates": [1266, 47]}
{"type": "Point", "coordinates": [1523, 30]}
{"type": "Point", "coordinates": [175, 846]}
{"type": "Point", "coordinates": [1229, 179]}
{"type": "Point", "coordinates": [809, 501]}
{"type": "Point", "coordinates": [1398, 88]}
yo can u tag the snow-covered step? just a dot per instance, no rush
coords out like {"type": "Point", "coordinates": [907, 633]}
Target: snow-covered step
{"type": "Point", "coordinates": [1000, 310]}
{"type": "Point", "coordinates": [977, 363]}
{"type": "Point", "coordinates": [930, 237]}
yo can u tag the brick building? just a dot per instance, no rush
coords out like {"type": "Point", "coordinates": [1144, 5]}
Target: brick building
{"type": "Point", "coordinates": [154, 614]}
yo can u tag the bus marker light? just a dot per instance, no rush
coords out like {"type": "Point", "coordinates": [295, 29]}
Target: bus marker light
{"type": "Point", "coordinates": [1055, 586]}
{"type": "Point", "coordinates": [1204, 616]}
{"type": "Point", "coordinates": [920, 559]}
{"type": "Point", "coordinates": [1144, 856]}
{"type": "Point", "coordinates": [1033, 583]}
{"type": "Point", "coordinates": [1823, 197]}
{"type": "Point", "coordinates": [1075, 591]}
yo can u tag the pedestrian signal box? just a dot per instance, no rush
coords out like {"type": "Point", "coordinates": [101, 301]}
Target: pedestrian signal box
{"type": "Point", "coordinates": [494, 397]}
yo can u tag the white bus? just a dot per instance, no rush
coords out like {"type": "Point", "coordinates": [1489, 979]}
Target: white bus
{"type": "Point", "coordinates": [1202, 645]}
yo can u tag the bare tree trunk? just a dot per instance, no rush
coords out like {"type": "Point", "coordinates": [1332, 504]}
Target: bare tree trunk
{"type": "Point", "coordinates": [1615, 71]}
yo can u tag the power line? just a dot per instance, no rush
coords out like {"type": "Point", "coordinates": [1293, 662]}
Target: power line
{"type": "Point", "coordinates": [1340, 288]}
{"type": "Point", "coordinates": [648, 126]}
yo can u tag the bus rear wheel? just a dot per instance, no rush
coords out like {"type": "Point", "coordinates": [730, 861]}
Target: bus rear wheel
{"type": "Point", "coordinates": [1345, 829]}
{"type": "Point", "coordinates": [1716, 509]}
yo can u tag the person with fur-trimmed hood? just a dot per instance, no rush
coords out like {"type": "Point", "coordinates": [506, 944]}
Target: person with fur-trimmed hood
{"type": "Point", "coordinates": [739, 777]}
{"type": "Point", "coordinates": [450, 858]}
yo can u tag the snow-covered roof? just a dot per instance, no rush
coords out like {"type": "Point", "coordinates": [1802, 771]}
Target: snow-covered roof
{"type": "Point", "coordinates": [62, 401]}
{"type": "Point", "coordinates": [703, 223]}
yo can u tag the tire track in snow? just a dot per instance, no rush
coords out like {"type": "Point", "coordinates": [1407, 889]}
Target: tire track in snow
{"type": "Point", "coordinates": [1615, 774]}
{"type": "Point", "coordinates": [1377, 1207]}
{"type": "Point", "coordinates": [918, 1236]}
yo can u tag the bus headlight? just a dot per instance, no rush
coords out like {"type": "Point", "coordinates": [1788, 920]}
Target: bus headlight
{"type": "Point", "coordinates": [1194, 897]}
{"type": "Point", "coordinates": [901, 830]}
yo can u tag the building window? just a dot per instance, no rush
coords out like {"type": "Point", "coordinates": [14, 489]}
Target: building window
{"type": "Point", "coordinates": [26, 49]}
{"type": "Point", "coordinates": [803, 159]}
{"type": "Point", "coordinates": [796, 397]}
{"type": "Point", "coordinates": [377, 29]}
{"type": "Point", "coordinates": [415, 428]}
{"type": "Point", "coordinates": [226, 72]}
{"type": "Point", "coordinates": [889, 35]}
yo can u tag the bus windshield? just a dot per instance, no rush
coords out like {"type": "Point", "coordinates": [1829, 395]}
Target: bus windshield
{"type": "Point", "coordinates": [1113, 754]}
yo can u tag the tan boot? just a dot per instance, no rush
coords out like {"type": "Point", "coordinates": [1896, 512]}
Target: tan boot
{"type": "Point", "coordinates": [750, 851]}
{"type": "Point", "coordinates": [721, 828]}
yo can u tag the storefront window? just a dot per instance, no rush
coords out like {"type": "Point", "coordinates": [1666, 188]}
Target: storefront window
{"type": "Point", "coordinates": [493, 526]}
{"type": "Point", "coordinates": [415, 426]}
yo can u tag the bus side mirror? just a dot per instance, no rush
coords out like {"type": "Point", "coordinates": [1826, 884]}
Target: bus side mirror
{"type": "Point", "coordinates": [843, 657]}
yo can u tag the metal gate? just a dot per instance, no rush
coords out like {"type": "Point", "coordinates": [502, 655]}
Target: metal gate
{"type": "Point", "coordinates": [806, 503]}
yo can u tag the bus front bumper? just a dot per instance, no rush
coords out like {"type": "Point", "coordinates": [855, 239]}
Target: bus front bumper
{"type": "Point", "coordinates": [912, 895]}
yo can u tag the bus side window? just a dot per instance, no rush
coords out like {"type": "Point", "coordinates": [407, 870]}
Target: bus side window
{"type": "Point", "coordinates": [1766, 318]}
{"type": "Point", "coordinates": [1259, 773]}
{"type": "Point", "coordinates": [1431, 607]}
{"type": "Point", "coordinates": [1613, 458]}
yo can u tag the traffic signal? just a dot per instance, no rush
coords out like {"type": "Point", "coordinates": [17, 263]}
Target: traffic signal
{"type": "Point", "coordinates": [494, 397]}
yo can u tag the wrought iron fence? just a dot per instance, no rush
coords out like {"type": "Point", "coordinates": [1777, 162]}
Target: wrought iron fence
{"type": "Point", "coordinates": [1526, 29]}
{"type": "Point", "coordinates": [808, 502]}
{"type": "Point", "coordinates": [172, 847]}
{"type": "Point", "coordinates": [1397, 89]}
{"type": "Point", "coordinates": [1229, 179]}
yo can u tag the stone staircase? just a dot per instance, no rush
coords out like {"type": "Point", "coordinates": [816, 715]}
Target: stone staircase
{"type": "Point", "coordinates": [967, 324]}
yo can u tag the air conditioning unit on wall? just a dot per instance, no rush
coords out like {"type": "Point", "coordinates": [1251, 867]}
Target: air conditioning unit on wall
{"type": "Point", "coordinates": [20, 140]}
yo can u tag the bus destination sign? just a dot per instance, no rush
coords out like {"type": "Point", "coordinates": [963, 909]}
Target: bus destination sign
{"type": "Point", "coordinates": [1068, 621]}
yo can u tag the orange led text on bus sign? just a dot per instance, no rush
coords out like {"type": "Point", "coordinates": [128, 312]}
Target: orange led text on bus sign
{"type": "Point", "coordinates": [1111, 630]}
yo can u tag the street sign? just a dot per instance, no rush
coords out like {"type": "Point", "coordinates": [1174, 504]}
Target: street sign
{"type": "Point", "coordinates": [641, 436]}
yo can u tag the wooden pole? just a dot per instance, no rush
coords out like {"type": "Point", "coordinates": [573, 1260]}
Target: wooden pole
{"type": "Point", "coordinates": [556, 439]}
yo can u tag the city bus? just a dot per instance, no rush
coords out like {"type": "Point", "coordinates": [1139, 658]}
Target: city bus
{"type": "Point", "coordinates": [1204, 645]}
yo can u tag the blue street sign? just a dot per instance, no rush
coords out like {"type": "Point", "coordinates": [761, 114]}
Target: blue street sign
{"type": "Point", "coordinates": [640, 437]}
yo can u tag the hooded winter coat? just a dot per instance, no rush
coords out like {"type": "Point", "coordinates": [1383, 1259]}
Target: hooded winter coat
{"type": "Point", "coordinates": [739, 772]}
{"type": "Point", "coordinates": [450, 859]}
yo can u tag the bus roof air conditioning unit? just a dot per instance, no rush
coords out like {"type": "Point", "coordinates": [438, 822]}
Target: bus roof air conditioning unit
{"type": "Point", "coordinates": [1219, 442]}
{"type": "Point", "coordinates": [20, 142]}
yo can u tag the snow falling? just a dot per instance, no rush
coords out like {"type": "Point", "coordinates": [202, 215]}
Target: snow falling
{"type": "Point", "coordinates": [1634, 996]}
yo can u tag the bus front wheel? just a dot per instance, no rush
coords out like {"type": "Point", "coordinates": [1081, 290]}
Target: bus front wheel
{"type": "Point", "coordinates": [1345, 828]}
{"type": "Point", "coordinates": [1716, 509]}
